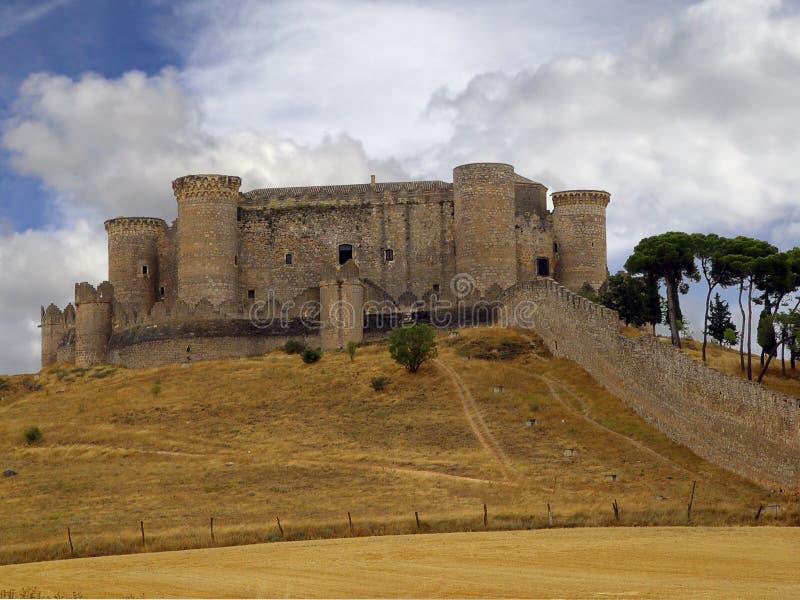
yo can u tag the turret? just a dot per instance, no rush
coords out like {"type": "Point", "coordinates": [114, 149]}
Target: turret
{"type": "Point", "coordinates": [133, 267]}
{"type": "Point", "coordinates": [341, 296]}
{"type": "Point", "coordinates": [92, 323]}
{"type": "Point", "coordinates": [55, 324]}
{"type": "Point", "coordinates": [484, 198]}
{"type": "Point", "coordinates": [579, 225]}
{"type": "Point", "coordinates": [207, 237]}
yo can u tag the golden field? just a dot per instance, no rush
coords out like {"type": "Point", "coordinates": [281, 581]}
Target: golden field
{"type": "Point", "coordinates": [247, 441]}
{"type": "Point", "coordinates": [679, 562]}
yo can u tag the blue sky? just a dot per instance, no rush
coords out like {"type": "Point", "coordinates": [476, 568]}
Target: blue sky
{"type": "Point", "coordinates": [685, 111]}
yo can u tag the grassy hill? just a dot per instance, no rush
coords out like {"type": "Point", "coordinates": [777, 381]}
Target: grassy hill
{"type": "Point", "coordinates": [249, 440]}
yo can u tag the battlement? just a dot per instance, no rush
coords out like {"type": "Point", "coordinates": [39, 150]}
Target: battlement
{"type": "Point", "coordinates": [134, 224]}
{"type": "Point", "coordinates": [52, 315]}
{"type": "Point", "coordinates": [206, 186]}
{"type": "Point", "coordinates": [581, 197]}
{"type": "Point", "coordinates": [86, 293]}
{"type": "Point", "coordinates": [358, 192]}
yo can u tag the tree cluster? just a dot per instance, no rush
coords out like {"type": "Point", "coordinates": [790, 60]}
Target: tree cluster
{"type": "Point", "coordinates": [762, 274]}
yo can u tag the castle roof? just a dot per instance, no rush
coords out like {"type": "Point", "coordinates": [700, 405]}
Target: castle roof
{"type": "Point", "coordinates": [346, 190]}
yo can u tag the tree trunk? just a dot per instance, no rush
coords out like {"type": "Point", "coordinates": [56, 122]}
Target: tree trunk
{"type": "Point", "coordinates": [705, 321]}
{"type": "Point", "coordinates": [673, 322]}
{"type": "Point", "coordinates": [783, 359]}
{"type": "Point", "coordinates": [750, 331]}
{"type": "Point", "coordinates": [764, 370]}
{"type": "Point", "coordinates": [741, 335]}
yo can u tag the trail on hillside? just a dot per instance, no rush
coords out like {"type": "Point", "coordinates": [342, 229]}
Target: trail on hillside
{"type": "Point", "coordinates": [584, 414]}
{"type": "Point", "coordinates": [477, 423]}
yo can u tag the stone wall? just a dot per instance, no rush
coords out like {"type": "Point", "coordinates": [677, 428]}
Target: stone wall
{"type": "Point", "coordinates": [154, 345]}
{"type": "Point", "coordinates": [739, 425]}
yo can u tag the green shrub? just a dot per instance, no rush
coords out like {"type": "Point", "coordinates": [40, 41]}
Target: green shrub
{"type": "Point", "coordinates": [380, 382]}
{"type": "Point", "coordinates": [33, 435]}
{"type": "Point", "coordinates": [294, 347]}
{"type": "Point", "coordinates": [413, 345]}
{"type": "Point", "coordinates": [311, 355]}
{"type": "Point", "coordinates": [102, 374]}
{"type": "Point", "coordinates": [4, 383]}
{"type": "Point", "coordinates": [351, 350]}
{"type": "Point", "coordinates": [156, 389]}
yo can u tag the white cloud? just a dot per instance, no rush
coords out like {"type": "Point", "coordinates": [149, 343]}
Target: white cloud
{"type": "Point", "coordinates": [692, 127]}
{"type": "Point", "coordinates": [39, 267]}
{"type": "Point", "coordinates": [16, 15]}
{"type": "Point", "coordinates": [109, 147]}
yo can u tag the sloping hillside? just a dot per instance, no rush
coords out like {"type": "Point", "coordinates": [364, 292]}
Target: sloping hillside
{"type": "Point", "coordinates": [249, 440]}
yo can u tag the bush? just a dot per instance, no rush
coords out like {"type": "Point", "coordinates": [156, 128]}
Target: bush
{"type": "Point", "coordinates": [294, 347]}
{"type": "Point", "coordinates": [33, 435]}
{"type": "Point", "coordinates": [351, 350]}
{"type": "Point", "coordinates": [156, 389]}
{"type": "Point", "coordinates": [311, 355]}
{"type": "Point", "coordinates": [380, 382]}
{"type": "Point", "coordinates": [413, 345]}
{"type": "Point", "coordinates": [4, 383]}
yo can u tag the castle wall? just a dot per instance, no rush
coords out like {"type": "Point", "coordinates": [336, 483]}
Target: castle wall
{"type": "Point", "coordinates": [534, 240]}
{"type": "Point", "coordinates": [484, 199]}
{"type": "Point", "coordinates": [168, 265]}
{"type": "Point", "coordinates": [342, 308]}
{"type": "Point", "coordinates": [191, 341]}
{"type": "Point", "coordinates": [736, 424]}
{"type": "Point", "coordinates": [415, 223]}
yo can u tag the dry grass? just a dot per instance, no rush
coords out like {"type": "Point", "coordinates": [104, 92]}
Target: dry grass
{"type": "Point", "coordinates": [584, 563]}
{"type": "Point", "coordinates": [247, 440]}
{"type": "Point", "coordinates": [727, 360]}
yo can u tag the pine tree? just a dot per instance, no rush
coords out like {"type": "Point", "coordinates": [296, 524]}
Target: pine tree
{"type": "Point", "coordinates": [719, 319]}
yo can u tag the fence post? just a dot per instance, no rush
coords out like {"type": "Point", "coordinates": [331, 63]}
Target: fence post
{"type": "Point", "coordinates": [615, 506]}
{"type": "Point", "coordinates": [485, 516]}
{"type": "Point", "coordinates": [350, 520]}
{"type": "Point", "coordinates": [689, 506]}
{"type": "Point", "coordinates": [278, 519]}
{"type": "Point", "coordinates": [141, 524]}
{"type": "Point", "coordinates": [416, 516]}
{"type": "Point", "coordinates": [212, 530]}
{"type": "Point", "coordinates": [71, 548]}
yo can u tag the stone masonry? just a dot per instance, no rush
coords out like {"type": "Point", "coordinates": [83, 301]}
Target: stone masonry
{"type": "Point", "coordinates": [330, 256]}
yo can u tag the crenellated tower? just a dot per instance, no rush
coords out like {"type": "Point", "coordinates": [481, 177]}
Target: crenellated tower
{"type": "Point", "coordinates": [92, 323]}
{"type": "Point", "coordinates": [133, 265]}
{"type": "Point", "coordinates": [55, 323]}
{"type": "Point", "coordinates": [579, 225]}
{"type": "Point", "coordinates": [207, 237]}
{"type": "Point", "coordinates": [483, 199]}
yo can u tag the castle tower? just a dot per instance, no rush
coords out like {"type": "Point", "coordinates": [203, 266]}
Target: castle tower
{"type": "Point", "coordinates": [483, 195]}
{"type": "Point", "coordinates": [579, 226]}
{"type": "Point", "coordinates": [342, 307]}
{"type": "Point", "coordinates": [133, 267]}
{"type": "Point", "coordinates": [207, 237]}
{"type": "Point", "coordinates": [92, 323]}
{"type": "Point", "coordinates": [54, 326]}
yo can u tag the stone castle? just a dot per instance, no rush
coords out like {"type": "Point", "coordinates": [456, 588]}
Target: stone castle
{"type": "Point", "coordinates": [237, 273]}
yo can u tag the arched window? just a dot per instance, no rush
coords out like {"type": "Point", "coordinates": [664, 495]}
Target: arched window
{"type": "Point", "coordinates": [345, 253]}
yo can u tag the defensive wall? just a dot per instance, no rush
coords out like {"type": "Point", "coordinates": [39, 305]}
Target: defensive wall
{"type": "Point", "coordinates": [739, 425]}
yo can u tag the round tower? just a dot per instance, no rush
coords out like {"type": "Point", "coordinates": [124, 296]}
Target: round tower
{"type": "Point", "coordinates": [53, 329]}
{"type": "Point", "coordinates": [579, 227]}
{"type": "Point", "coordinates": [207, 237]}
{"type": "Point", "coordinates": [92, 323]}
{"type": "Point", "coordinates": [483, 197]}
{"type": "Point", "coordinates": [133, 267]}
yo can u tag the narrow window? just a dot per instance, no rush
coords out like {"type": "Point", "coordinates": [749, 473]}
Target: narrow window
{"type": "Point", "coordinates": [542, 267]}
{"type": "Point", "coordinates": [436, 287]}
{"type": "Point", "coordinates": [345, 253]}
{"type": "Point", "coordinates": [389, 254]}
{"type": "Point", "coordinates": [236, 259]}
{"type": "Point", "coordinates": [555, 247]}
{"type": "Point", "coordinates": [251, 293]}
{"type": "Point", "coordinates": [163, 292]}
{"type": "Point", "coordinates": [288, 258]}
{"type": "Point", "coordinates": [144, 269]}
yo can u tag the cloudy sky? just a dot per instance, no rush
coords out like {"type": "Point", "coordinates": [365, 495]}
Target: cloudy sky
{"type": "Point", "coordinates": [688, 113]}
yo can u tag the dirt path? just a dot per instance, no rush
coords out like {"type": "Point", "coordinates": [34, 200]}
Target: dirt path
{"type": "Point", "coordinates": [477, 424]}
{"type": "Point", "coordinates": [584, 414]}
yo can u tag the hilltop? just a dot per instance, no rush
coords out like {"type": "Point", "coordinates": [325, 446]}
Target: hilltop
{"type": "Point", "coordinates": [252, 439]}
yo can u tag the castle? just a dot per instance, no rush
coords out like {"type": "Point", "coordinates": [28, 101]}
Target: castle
{"type": "Point", "coordinates": [238, 273]}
